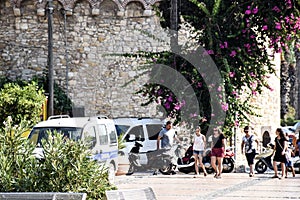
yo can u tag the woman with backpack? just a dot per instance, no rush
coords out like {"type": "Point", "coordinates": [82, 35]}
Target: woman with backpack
{"type": "Point", "coordinates": [249, 147]}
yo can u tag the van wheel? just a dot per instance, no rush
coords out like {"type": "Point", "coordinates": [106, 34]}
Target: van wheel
{"type": "Point", "coordinates": [111, 173]}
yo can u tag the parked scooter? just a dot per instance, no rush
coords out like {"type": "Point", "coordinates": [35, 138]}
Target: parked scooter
{"type": "Point", "coordinates": [134, 157]}
{"type": "Point", "coordinates": [228, 161]}
{"type": "Point", "coordinates": [160, 160]}
{"type": "Point", "coordinates": [186, 164]}
{"type": "Point", "coordinates": [265, 159]}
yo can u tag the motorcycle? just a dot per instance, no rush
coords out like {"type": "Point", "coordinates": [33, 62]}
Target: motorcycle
{"type": "Point", "coordinates": [186, 164]}
{"type": "Point", "coordinates": [160, 159]}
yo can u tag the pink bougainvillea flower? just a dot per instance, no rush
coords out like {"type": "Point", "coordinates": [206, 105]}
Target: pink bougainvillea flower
{"type": "Point", "coordinates": [224, 106]}
{"type": "Point", "coordinates": [167, 105]}
{"type": "Point", "coordinates": [231, 74]}
{"type": "Point", "coordinates": [219, 89]}
{"type": "Point", "coordinates": [199, 85]}
{"type": "Point", "coordinates": [224, 45]}
{"type": "Point", "coordinates": [247, 45]}
{"type": "Point", "coordinates": [177, 106]}
{"type": "Point", "coordinates": [208, 52]}
{"type": "Point", "coordinates": [255, 10]}
{"type": "Point", "coordinates": [233, 53]}
{"type": "Point", "coordinates": [276, 9]}
{"type": "Point", "coordinates": [253, 84]}
{"type": "Point", "coordinates": [278, 25]}
{"type": "Point", "coordinates": [193, 115]}
{"type": "Point", "coordinates": [271, 89]}
{"type": "Point", "coordinates": [248, 12]}
{"type": "Point", "coordinates": [252, 74]}
{"type": "Point", "coordinates": [265, 27]}
{"type": "Point", "coordinates": [254, 92]}
{"type": "Point", "coordinates": [236, 123]}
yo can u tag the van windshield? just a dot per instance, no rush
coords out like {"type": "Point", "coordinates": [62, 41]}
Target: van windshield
{"type": "Point", "coordinates": [39, 133]}
{"type": "Point", "coordinates": [121, 129]}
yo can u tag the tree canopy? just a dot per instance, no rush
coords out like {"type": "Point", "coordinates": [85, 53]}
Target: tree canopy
{"type": "Point", "coordinates": [241, 37]}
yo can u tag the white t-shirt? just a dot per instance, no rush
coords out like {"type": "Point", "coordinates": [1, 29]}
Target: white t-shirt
{"type": "Point", "coordinates": [167, 138]}
{"type": "Point", "coordinates": [249, 142]}
{"type": "Point", "coordinates": [198, 143]}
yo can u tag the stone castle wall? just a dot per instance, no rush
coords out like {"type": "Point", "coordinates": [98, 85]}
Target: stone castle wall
{"type": "Point", "coordinates": [86, 34]}
{"type": "Point", "coordinates": [84, 46]}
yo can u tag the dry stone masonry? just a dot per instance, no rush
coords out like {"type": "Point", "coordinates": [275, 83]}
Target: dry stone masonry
{"type": "Point", "coordinates": [89, 36]}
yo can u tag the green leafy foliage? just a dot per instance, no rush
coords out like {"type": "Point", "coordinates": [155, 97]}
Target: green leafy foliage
{"type": "Point", "coordinates": [241, 37]}
{"type": "Point", "coordinates": [17, 163]}
{"type": "Point", "coordinates": [21, 102]}
{"type": "Point", "coordinates": [67, 165]}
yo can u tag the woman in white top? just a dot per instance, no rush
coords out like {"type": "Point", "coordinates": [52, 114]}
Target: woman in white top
{"type": "Point", "coordinates": [199, 145]}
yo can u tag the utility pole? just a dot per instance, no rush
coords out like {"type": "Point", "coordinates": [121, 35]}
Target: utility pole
{"type": "Point", "coordinates": [50, 58]}
{"type": "Point", "coordinates": [174, 24]}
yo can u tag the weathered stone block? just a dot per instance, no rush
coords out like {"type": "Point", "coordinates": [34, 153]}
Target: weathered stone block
{"type": "Point", "coordinates": [40, 12]}
{"type": "Point", "coordinates": [17, 12]}
{"type": "Point", "coordinates": [95, 11]}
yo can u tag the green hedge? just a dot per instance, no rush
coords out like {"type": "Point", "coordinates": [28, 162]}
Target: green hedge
{"type": "Point", "coordinates": [66, 166]}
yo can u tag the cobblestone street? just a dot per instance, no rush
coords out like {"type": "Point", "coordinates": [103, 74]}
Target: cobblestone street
{"type": "Point", "coordinates": [233, 186]}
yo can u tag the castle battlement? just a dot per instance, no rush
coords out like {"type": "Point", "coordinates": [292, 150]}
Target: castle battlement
{"type": "Point", "coordinates": [95, 5]}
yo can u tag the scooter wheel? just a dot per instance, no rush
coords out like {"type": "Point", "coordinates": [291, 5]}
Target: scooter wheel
{"type": "Point", "coordinates": [260, 167]}
{"type": "Point", "coordinates": [130, 170]}
{"type": "Point", "coordinates": [166, 170]}
{"type": "Point", "coordinates": [187, 170]}
{"type": "Point", "coordinates": [228, 165]}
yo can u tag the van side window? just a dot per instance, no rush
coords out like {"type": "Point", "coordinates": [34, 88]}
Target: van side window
{"type": "Point", "coordinates": [90, 137]}
{"type": "Point", "coordinates": [153, 130]}
{"type": "Point", "coordinates": [138, 132]}
{"type": "Point", "coordinates": [103, 136]}
{"type": "Point", "coordinates": [113, 137]}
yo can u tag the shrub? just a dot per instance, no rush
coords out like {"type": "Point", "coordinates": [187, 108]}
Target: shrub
{"type": "Point", "coordinates": [66, 166]}
{"type": "Point", "coordinates": [21, 102]}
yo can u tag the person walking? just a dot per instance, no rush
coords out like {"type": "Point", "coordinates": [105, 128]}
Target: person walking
{"type": "Point", "coordinates": [165, 140]}
{"type": "Point", "coordinates": [218, 146]}
{"type": "Point", "coordinates": [199, 145]}
{"type": "Point", "coordinates": [166, 137]}
{"type": "Point", "coordinates": [280, 148]}
{"type": "Point", "coordinates": [248, 146]}
{"type": "Point", "coordinates": [289, 162]}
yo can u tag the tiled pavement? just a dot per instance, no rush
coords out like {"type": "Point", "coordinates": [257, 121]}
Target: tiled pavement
{"type": "Point", "coordinates": [232, 186]}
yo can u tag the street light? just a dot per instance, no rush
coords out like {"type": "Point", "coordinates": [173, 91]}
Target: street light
{"type": "Point", "coordinates": [50, 58]}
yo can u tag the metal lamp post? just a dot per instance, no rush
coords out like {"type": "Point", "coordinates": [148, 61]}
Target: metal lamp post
{"type": "Point", "coordinates": [50, 58]}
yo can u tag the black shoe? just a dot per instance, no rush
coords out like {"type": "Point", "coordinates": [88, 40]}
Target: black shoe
{"type": "Point", "coordinates": [173, 173]}
{"type": "Point", "coordinates": [276, 177]}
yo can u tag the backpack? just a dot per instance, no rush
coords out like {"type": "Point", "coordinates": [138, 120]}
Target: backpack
{"type": "Point", "coordinates": [249, 149]}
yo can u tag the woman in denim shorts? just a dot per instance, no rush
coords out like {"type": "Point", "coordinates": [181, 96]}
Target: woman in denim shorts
{"type": "Point", "coordinates": [198, 149]}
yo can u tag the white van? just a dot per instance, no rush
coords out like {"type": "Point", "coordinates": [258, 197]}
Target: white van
{"type": "Point", "coordinates": [98, 132]}
{"type": "Point", "coordinates": [144, 130]}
